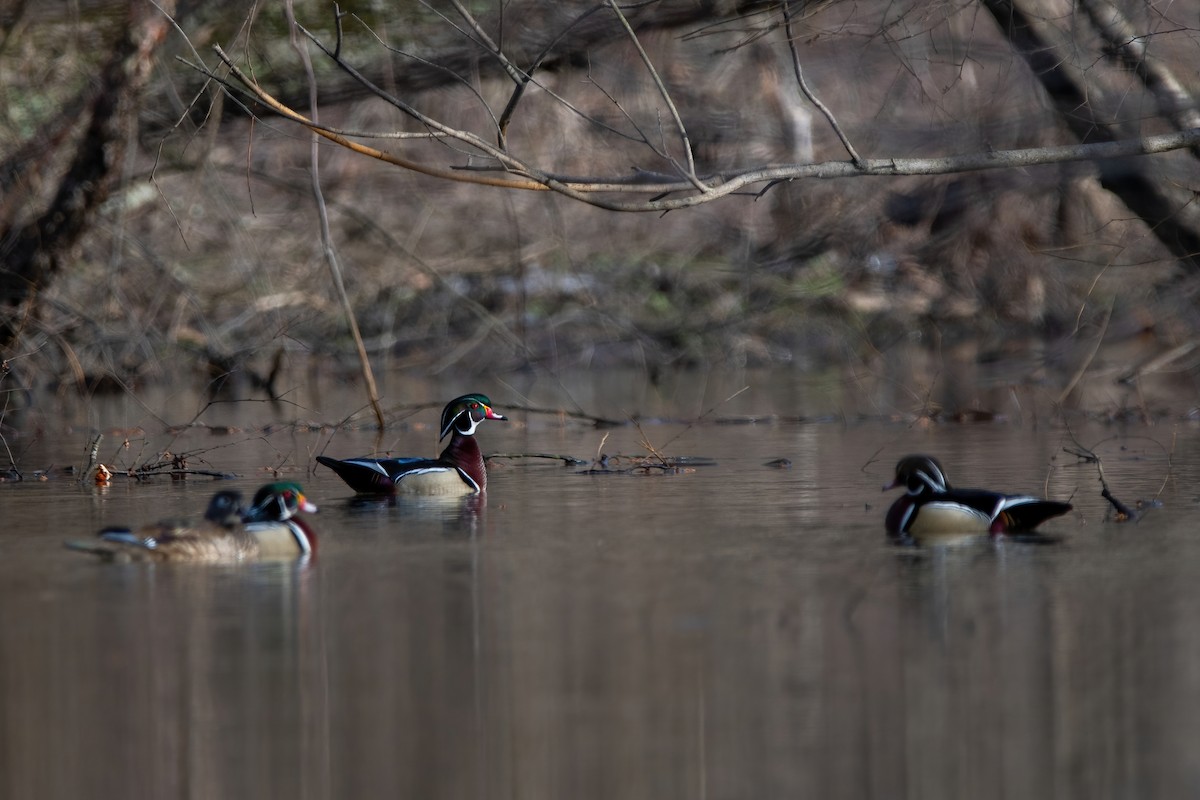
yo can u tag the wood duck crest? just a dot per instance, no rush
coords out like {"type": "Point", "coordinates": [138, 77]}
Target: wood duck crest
{"type": "Point", "coordinates": [458, 470]}
{"type": "Point", "coordinates": [920, 474]}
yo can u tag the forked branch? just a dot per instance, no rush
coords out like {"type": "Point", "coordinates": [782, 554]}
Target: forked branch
{"type": "Point", "coordinates": [503, 169]}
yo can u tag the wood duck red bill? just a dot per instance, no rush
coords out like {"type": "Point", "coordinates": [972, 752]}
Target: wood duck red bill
{"type": "Point", "coordinates": [459, 470]}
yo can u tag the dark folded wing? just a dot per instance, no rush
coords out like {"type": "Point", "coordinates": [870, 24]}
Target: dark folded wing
{"type": "Point", "coordinates": [373, 475]}
{"type": "Point", "coordinates": [1026, 513]}
{"type": "Point", "coordinates": [1012, 512]}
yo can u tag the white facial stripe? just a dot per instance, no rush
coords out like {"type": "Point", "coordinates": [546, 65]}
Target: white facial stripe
{"type": "Point", "coordinates": [938, 483]}
{"type": "Point", "coordinates": [474, 423]}
{"type": "Point", "coordinates": [938, 476]}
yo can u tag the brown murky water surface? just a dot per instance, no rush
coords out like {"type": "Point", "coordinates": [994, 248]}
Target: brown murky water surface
{"type": "Point", "coordinates": [734, 631]}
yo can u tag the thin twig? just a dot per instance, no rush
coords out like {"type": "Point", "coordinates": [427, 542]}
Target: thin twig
{"type": "Point", "coordinates": [1087, 362]}
{"type": "Point", "coordinates": [12, 461]}
{"type": "Point", "coordinates": [690, 171]}
{"type": "Point", "coordinates": [183, 116]}
{"type": "Point", "coordinates": [599, 422]}
{"type": "Point", "coordinates": [657, 451]}
{"type": "Point", "coordinates": [1170, 464]}
{"type": "Point", "coordinates": [415, 166]}
{"type": "Point", "coordinates": [490, 46]}
{"type": "Point", "coordinates": [170, 470]}
{"type": "Point", "coordinates": [701, 418]}
{"type": "Point", "coordinates": [527, 77]}
{"type": "Point", "coordinates": [645, 442]}
{"type": "Point", "coordinates": [600, 448]}
{"type": "Point", "coordinates": [812, 97]}
{"type": "Point", "coordinates": [1174, 100]}
{"type": "Point", "coordinates": [331, 259]}
{"type": "Point", "coordinates": [1124, 512]}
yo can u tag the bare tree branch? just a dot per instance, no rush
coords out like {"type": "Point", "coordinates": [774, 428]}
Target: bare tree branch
{"type": "Point", "coordinates": [527, 78]}
{"type": "Point", "coordinates": [513, 73]}
{"type": "Point", "coordinates": [495, 165]}
{"type": "Point", "coordinates": [722, 183]}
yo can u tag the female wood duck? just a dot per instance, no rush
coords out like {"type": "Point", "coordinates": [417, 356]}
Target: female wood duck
{"type": "Point", "coordinates": [458, 470]}
{"type": "Point", "coordinates": [931, 506]}
{"type": "Point", "coordinates": [226, 534]}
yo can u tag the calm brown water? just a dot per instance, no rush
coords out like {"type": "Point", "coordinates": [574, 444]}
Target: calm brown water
{"type": "Point", "coordinates": [739, 631]}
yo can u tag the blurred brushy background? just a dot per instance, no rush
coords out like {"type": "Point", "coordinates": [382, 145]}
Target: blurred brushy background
{"type": "Point", "coordinates": [190, 245]}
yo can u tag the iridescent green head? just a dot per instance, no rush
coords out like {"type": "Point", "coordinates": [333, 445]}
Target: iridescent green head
{"type": "Point", "coordinates": [277, 502]}
{"type": "Point", "coordinates": [463, 414]}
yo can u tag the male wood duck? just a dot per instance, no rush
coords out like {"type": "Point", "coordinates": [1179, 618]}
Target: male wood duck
{"type": "Point", "coordinates": [459, 470]}
{"type": "Point", "coordinates": [227, 533]}
{"type": "Point", "coordinates": [931, 506]}
{"type": "Point", "coordinates": [272, 522]}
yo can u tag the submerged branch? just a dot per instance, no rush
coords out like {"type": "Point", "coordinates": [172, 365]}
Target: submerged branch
{"type": "Point", "coordinates": [567, 460]}
{"type": "Point", "coordinates": [1125, 513]}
